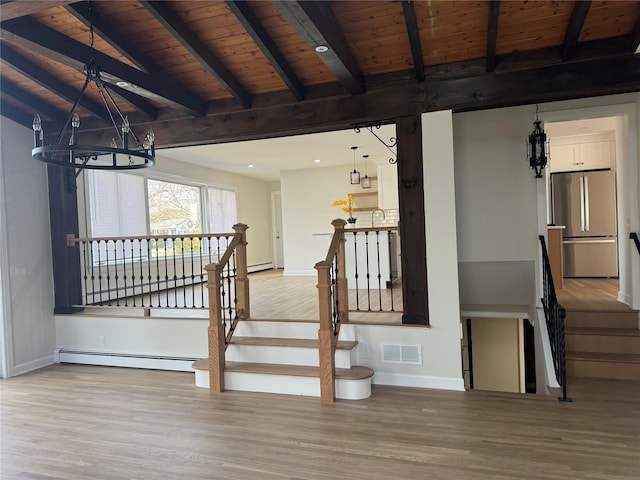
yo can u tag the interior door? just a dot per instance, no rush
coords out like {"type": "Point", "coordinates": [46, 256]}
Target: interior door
{"type": "Point", "coordinates": [278, 257]}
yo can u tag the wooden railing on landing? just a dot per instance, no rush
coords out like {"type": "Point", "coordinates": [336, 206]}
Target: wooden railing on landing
{"type": "Point", "coordinates": [333, 308]}
{"type": "Point", "coordinates": [634, 236]}
{"type": "Point", "coordinates": [223, 318]}
{"type": "Point", "coordinates": [555, 315]}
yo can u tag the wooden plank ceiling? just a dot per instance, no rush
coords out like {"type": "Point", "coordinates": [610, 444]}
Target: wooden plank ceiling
{"type": "Point", "coordinates": [213, 71]}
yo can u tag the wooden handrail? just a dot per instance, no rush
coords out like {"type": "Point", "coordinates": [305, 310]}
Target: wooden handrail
{"type": "Point", "coordinates": [333, 308]}
{"type": "Point", "coordinates": [218, 338]}
{"type": "Point", "coordinates": [71, 239]}
{"type": "Point", "coordinates": [373, 229]}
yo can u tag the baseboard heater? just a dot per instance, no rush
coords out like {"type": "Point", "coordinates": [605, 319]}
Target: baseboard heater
{"type": "Point", "coordinates": [151, 362]}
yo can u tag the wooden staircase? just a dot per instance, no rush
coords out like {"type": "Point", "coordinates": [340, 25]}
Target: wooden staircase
{"type": "Point", "coordinates": [281, 356]}
{"type": "Point", "coordinates": [603, 344]}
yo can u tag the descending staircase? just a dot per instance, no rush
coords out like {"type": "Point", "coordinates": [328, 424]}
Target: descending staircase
{"type": "Point", "coordinates": [281, 356]}
{"type": "Point", "coordinates": [603, 344]}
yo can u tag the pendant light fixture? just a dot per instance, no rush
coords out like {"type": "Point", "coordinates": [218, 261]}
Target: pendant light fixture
{"type": "Point", "coordinates": [538, 148]}
{"type": "Point", "coordinates": [354, 176]}
{"type": "Point", "coordinates": [366, 180]}
{"type": "Point", "coordinates": [74, 154]}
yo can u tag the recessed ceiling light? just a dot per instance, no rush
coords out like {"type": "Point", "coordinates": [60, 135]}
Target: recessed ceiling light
{"type": "Point", "coordinates": [317, 160]}
{"type": "Point", "coordinates": [250, 166]}
{"type": "Point", "coordinates": [122, 84]}
{"type": "Point", "coordinates": [322, 48]}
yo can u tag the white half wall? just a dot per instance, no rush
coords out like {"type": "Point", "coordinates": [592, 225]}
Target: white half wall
{"type": "Point", "coordinates": [27, 279]}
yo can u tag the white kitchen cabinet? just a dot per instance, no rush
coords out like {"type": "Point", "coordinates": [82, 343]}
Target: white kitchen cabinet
{"type": "Point", "coordinates": [387, 187]}
{"type": "Point", "coordinates": [582, 156]}
{"type": "Point", "coordinates": [596, 155]}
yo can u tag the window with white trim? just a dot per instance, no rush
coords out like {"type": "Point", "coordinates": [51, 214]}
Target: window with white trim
{"type": "Point", "coordinates": [122, 205]}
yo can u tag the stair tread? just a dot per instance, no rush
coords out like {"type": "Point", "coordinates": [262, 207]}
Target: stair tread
{"type": "Point", "coordinates": [604, 357]}
{"type": "Point", "coordinates": [288, 342]}
{"type": "Point", "coordinates": [354, 373]}
{"type": "Point", "coordinates": [629, 332]}
{"type": "Point", "coordinates": [281, 320]}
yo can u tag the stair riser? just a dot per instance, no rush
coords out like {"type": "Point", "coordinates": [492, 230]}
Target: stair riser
{"type": "Point", "coordinates": [602, 319]}
{"type": "Point", "coordinates": [595, 369]}
{"type": "Point", "coordinates": [248, 328]}
{"type": "Point", "coordinates": [285, 355]}
{"type": "Point", "coordinates": [288, 385]}
{"type": "Point", "coordinates": [602, 343]}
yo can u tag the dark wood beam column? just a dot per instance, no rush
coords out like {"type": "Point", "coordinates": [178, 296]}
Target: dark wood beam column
{"type": "Point", "coordinates": [63, 214]}
{"type": "Point", "coordinates": [412, 221]}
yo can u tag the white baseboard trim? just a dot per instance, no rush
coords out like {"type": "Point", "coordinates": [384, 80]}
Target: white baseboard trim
{"type": "Point", "coordinates": [418, 381]}
{"type": "Point", "coordinates": [624, 298]}
{"type": "Point", "coordinates": [259, 267]}
{"type": "Point", "coordinates": [299, 273]}
{"type": "Point", "coordinates": [33, 365]}
{"type": "Point", "coordinates": [178, 364]}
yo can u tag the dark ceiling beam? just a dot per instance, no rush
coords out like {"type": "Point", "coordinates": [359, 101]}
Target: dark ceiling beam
{"type": "Point", "coordinates": [136, 101]}
{"type": "Point", "coordinates": [36, 103]}
{"type": "Point", "coordinates": [634, 36]}
{"type": "Point", "coordinates": [17, 9]}
{"type": "Point", "coordinates": [318, 25]}
{"type": "Point", "coordinates": [595, 77]}
{"type": "Point", "coordinates": [171, 21]}
{"type": "Point", "coordinates": [121, 43]}
{"type": "Point", "coordinates": [492, 34]}
{"type": "Point", "coordinates": [258, 33]}
{"type": "Point", "coordinates": [398, 97]}
{"type": "Point", "coordinates": [40, 39]}
{"type": "Point", "coordinates": [30, 70]}
{"type": "Point", "coordinates": [414, 38]}
{"type": "Point", "coordinates": [578, 17]}
{"type": "Point", "coordinates": [16, 114]}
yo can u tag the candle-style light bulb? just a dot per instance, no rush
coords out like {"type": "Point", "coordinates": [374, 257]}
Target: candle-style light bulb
{"type": "Point", "coordinates": [151, 135]}
{"type": "Point", "coordinates": [37, 131]}
{"type": "Point", "coordinates": [125, 133]}
{"type": "Point", "coordinates": [113, 143]}
{"type": "Point", "coordinates": [75, 123]}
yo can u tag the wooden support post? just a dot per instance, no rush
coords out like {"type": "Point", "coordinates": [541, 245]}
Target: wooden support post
{"type": "Point", "coordinates": [216, 329]}
{"type": "Point", "coordinates": [326, 345]}
{"type": "Point", "coordinates": [342, 287]}
{"type": "Point", "coordinates": [242, 279]}
{"type": "Point", "coordinates": [412, 221]}
{"type": "Point", "coordinates": [63, 213]}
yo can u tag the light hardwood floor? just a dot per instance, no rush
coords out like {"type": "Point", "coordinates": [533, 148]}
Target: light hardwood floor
{"type": "Point", "coordinates": [591, 294]}
{"type": "Point", "coordinates": [73, 422]}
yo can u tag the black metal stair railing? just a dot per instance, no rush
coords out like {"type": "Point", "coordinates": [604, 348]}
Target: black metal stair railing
{"type": "Point", "coordinates": [555, 315]}
{"type": "Point", "coordinates": [152, 271]}
{"type": "Point", "coordinates": [372, 268]}
{"type": "Point", "coordinates": [634, 236]}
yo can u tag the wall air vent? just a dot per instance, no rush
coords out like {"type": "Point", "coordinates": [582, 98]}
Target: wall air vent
{"type": "Point", "coordinates": [405, 354]}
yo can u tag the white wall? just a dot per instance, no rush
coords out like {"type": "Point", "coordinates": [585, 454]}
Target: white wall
{"type": "Point", "coordinates": [307, 198]}
{"type": "Point", "coordinates": [27, 280]}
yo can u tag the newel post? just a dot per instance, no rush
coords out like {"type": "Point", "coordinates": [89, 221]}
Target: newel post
{"type": "Point", "coordinates": [341, 280]}
{"type": "Point", "coordinates": [216, 336]}
{"type": "Point", "coordinates": [326, 345]}
{"type": "Point", "coordinates": [242, 279]}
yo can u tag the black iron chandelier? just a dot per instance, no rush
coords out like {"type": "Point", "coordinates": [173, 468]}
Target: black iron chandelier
{"type": "Point", "coordinates": [129, 152]}
{"type": "Point", "coordinates": [538, 148]}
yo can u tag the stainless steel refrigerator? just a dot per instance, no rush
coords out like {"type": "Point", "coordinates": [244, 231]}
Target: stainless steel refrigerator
{"type": "Point", "coordinates": [585, 203]}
